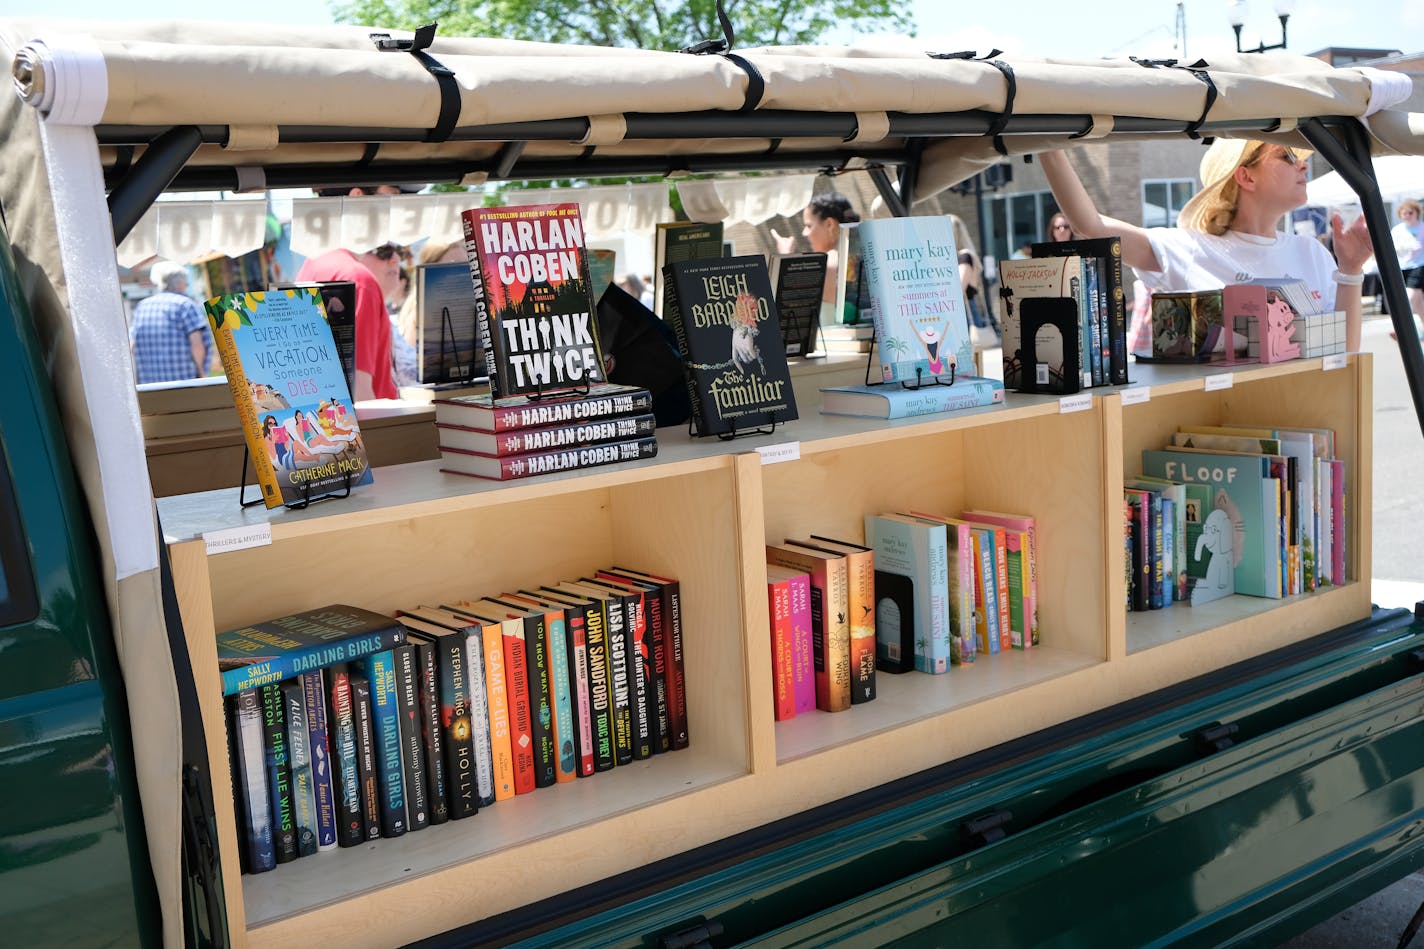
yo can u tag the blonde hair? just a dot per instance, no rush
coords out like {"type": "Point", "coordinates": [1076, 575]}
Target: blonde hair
{"type": "Point", "coordinates": [1409, 203]}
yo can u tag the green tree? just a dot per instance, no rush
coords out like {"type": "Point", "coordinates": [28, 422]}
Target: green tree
{"type": "Point", "coordinates": [645, 24]}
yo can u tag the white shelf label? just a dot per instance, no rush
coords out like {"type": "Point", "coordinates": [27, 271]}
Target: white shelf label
{"type": "Point", "coordinates": [1136, 395]}
{"type": "Point", "coordinates": [1075, 403]}
{"type": "Point", "coordinates": [1333, 361]}
{"type": "Point", "coordinates": [1224, 381]}
{"type": "Point", "coordinates": [786, 451]}
{"type": "Point", "coordinates": [238, 538]}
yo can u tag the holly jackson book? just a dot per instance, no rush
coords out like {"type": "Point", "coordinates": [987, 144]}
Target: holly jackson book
{"type": "Point", "coordinates": [267, 652]}
{"type": "Point", "coordinates": [511, 467]}
{"type": "Point", "coordinates": [529, 268]}
{"type": "Point", "coordinates": [910, 268]}
{"type": "Point", "coordinates": [489, 414]}
{"type": "Point", "coordinates": [724, 315]}
{"type": "Point", "coordinates": [284, 370]}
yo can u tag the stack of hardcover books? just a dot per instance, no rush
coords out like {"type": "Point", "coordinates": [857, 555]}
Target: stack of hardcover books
{"type": "Point", "coordinates": [520, 436]}
{"type": "Point", "coordinates": [346, 726]}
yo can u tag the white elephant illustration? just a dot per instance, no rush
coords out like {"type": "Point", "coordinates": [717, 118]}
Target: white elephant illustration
{"type": "Point", "coordinates": [1218, 540]}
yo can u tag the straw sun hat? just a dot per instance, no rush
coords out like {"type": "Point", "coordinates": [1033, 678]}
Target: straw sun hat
{"type": "Point", "coordinates": [1217, 167]}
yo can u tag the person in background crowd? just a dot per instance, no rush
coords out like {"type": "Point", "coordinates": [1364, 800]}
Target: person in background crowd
{"type": "Point", "coordinates": [1227, 231]}
{"type": "Point", "coordinates": [983, 330]}
{"type": "Point", "coordinates": [821, 226]}
{"type": "Point", "coordinates": [404, 359]}
{"type": "Point", "coordinates": [1408, 236]}
{"type": "Point", "coordinates": [1059, 229]}
{"type": "Point", "coordinates": [632, 284]}
{"type": "Point", "coordinates": [170, 338]}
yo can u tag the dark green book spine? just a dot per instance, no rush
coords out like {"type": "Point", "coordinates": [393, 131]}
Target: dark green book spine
{"type": "Point", "coordinates": [279, 774]}
{"type": "Point", "coordinates": [350, 828]}
{"type": "Point", "coordinates": [367, 766]}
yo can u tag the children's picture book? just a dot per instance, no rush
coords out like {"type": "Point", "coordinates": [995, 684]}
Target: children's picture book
{"type": "Point", "coordinates": [911, 271]}
{"type": "Point", "coordinates": [290, 391]}
{"type": "Point", "coordinates": [1187, 327]}
{"type": "Point", "coordinates": [683, 240]}
{"type": "Point", "coordinates": [282, 648]}
{"type": "Point", "coordinates": [447, 339]}
{"type": "Point", "coordinates": [734, 361]}
{"type": "Point", "coordinates": [536, 323]}
{"type": "Point", "coordinates": [1243, 488]}
{"type": "Point", "coordinates": [800, 281]}
{"type": "Point", "coordinates": [891, 401]}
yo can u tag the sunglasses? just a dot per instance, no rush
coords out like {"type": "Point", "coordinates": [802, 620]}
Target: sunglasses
{"type": "Point", "coordinates": [1288, 155]}
{"type": "Point", "coordinates": [387, 251]}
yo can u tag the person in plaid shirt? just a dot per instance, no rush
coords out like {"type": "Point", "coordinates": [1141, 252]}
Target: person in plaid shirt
{"type": "Point", "coordinates": [169, 337]}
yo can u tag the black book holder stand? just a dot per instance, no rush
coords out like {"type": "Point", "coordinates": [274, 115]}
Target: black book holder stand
{"type": "Point", "coordinates": [306, 497]}
{"type": "Point", "coordinates": [763, 429]}
{"type": "Point", "coordinates": [920, 380]}
{"type": "Point", "coordinates": [450, 350]}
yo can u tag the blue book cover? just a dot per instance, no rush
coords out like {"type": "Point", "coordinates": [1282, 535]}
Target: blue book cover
{"type": "Point", "coordinates": [988, 571]}
{"type": "Point", "coordinates": [891, 400]}
{"type": "Point", "coordinates": [299, 755]}
{"type": "Point", "coordinates": [267, 652]}
{"type": "Point", "coordinates": [902, 548]}
{"type": "Point", "coordinates": [314, 696]}
{"type": "Point", "coordinates": [385, 715]}
{"type": "Point", "coordinates": [1242, 486]}
{"type": "Point", "coordinates": [910, 270]}
{"type": "Point", "coordinates": [290, 392]}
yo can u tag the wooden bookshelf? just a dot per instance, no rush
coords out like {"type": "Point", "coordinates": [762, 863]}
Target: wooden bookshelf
{"type": "Point", "coordinates": [702, 512]}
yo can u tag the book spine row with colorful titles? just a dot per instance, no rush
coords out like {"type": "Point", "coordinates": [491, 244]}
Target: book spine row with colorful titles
{"type": "Point", "coordinates": [355, 751]}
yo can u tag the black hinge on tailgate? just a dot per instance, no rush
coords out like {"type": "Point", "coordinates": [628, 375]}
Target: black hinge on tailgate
{"type": "Point", "coordinates": [985, 829]}
{"type": "Point", "coordinates": [1214, 737]}
{"type": "Point", "coordinates": [698, 936]}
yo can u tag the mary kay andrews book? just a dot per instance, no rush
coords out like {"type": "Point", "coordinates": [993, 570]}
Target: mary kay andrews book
{"type": "Point", "coordinates": [911, 271]}
{"type": "Point", "coordinates": [534, 303]}
{"type": "Point", "coordinates": [287, 382]}
{"type": "Point", "coordinates": [889, 401]}
{"type": "Point", "coordinates": [727, 330]}
{"type": "Point", "coordinates": [281, 648]}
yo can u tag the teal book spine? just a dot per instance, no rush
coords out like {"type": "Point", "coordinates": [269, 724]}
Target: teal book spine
{"type": "Point", "coordinates": [385, 715]}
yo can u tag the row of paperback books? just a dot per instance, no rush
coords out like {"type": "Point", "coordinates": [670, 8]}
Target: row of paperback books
{"type": "Point", "coordinates": [947, 588]}
{"type": "Point", "coordinates": [518, 436]}
{"type": "Point", "coordinates": [1064, 317]}
{"type": "Point", "coordinates": [1234, 509]}
{"type": "Point", "coordinates": [431, 716]}
{"type": "Point", "coordinates": [821, 598]}
{"type": "Point", "coordinates": [922, 593]}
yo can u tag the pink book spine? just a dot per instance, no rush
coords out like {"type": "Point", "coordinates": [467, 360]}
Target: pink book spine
{"type": "Point", "coordinates": [1337, 519]}
{"type": "Point", "coordinates": [803, 665]}
{"type": "Point", "coordinates": [585, 718]}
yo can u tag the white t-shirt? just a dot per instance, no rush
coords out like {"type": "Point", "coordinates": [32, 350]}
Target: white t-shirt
{"type": "Point", "coordinates": [1194, 260]}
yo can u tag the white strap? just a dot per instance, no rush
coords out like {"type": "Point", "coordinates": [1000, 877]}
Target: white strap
{"type": "Point", "coordinates": [1387, 88]}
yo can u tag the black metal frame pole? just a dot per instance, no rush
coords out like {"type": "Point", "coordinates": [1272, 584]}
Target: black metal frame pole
{"type": "Point", "coordinates": [150, 175]}
{"type": "Point", "coordinates": [1351, 159]}
{"type": "Point", "coordinates": [881, 179]}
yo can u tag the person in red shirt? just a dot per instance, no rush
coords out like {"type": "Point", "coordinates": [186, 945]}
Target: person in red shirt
{"type": "Point", "coordinates": [376, 273]}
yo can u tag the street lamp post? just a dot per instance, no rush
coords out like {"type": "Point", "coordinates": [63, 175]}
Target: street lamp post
{"type": "Point", "coordinates": [1236, 13]}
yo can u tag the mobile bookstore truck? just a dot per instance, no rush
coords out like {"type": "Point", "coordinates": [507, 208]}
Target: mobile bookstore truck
{"type": "Point", "coordinates": [1221, 775]}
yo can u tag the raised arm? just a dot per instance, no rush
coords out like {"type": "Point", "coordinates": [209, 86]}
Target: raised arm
{"type": "Point", "coordinates": [1352, 250]}
{"type": "Point", "coordinates": [1082, 214]}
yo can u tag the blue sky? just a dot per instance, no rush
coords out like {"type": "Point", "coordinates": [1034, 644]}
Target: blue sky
{"type": "Point", "coordinates": [1036, 27]}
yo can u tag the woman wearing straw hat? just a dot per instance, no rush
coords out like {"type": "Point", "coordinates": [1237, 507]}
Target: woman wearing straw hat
{"type": "Point", "coordinates": [1227, 231]}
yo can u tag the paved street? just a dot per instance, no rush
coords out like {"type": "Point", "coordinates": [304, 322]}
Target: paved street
{"type": "Point", "coordinates": [1377, 922]}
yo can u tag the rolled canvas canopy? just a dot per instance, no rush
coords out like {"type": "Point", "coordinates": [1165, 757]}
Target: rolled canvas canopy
{"type": "Point", "coordinates": [107, 115]}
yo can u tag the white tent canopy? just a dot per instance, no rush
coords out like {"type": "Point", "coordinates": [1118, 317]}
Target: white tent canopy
{"type": "Point", "coordinates": [1399, 177]}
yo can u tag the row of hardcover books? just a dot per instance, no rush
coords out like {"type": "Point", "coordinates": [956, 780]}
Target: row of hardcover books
{"type": "Point", "coordinates": [447, 709]}
{"type": "Point", "coordinates": [517, 436]}
{"type": "Point", "coordinates": [1064, 317]}
{"type": "Point", "coordinates": [1223, 509]}
{"type": "Point", "coordinates": [947, 588]}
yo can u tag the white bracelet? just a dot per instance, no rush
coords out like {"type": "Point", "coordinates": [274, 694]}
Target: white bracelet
{"type": "Point", "coordinates": [1349, 279]}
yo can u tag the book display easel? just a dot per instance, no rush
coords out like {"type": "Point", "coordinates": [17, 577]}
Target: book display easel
{"type": "Point", "coordinates": [703, 511]}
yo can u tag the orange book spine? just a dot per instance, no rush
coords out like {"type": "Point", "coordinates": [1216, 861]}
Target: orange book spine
{"type": "Point", "coordinates": [497, 685]}
{"type": "Point", "coordinates": [521, 736]}
{"type": "Point", "coordinates": [778, 595]}
{"type": "Point", "coordinates": [860, 604]}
